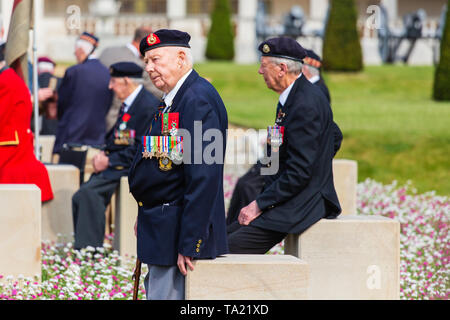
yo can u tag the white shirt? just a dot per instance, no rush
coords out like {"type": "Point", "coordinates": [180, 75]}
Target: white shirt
{"type": "Point", "coordinates": [284, 95]}
{"type": "Point", "coordinates": [130, 99]}
{"type": "Point", "coordinates": [133, 49]}
{"type": "Point", "coordinates": [314, 79]}
{"type": "Point", "coordinates": [168, 98]}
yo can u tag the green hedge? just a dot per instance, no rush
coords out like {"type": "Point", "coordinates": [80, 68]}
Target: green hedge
{"type": "Point", "coordinates": [341, 48]}
{"type": "Point", "coordinates": [441, 88]}
{"type": "Point", "coordinates": [220, 44]}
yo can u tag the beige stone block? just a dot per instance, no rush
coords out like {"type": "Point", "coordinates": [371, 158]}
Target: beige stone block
{"type": "Point", "coordinates": [345, 174]}
{"type": "Point", "coordinates": [248, 277]}
{"type": "Point", "coordinates": [125, 217]}
{"type": "Point", "coordinates": [351, 257]}
{"type": "Point", "coordinates": [57, 213]}
{"type": "Point", "coordinates": [47, 142]}
{"type": "Point", "coordinates": [20, 230]}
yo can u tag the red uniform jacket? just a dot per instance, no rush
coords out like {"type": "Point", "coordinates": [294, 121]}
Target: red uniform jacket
{"type": "Point", "coordinates": [18, 164]}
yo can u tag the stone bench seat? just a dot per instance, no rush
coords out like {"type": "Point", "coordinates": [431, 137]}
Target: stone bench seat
{"type": "Point", "coordinates": [351, 257]}
{"type": "Point", "coordinates": [125, 214]}
{"type": "Point", "coordinates": [57, 213]}
{"type": "Point", "coordinates": [20, 230]}
{"type": "Point", "coordinates": [345, 178]}
{"type": "Point", "coordinates": [248, 277]}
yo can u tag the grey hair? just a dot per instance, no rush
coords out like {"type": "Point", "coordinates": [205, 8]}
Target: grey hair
{"type": "Point", "coordinates": [312, 70]}
{"type": "Point", "coordinates": [187, 52]}
{"type": "Point", "coordinates": [137, 81]}
{"type": "Point", "coordinates": [293, 66]}
{"type": "Point", "coordinates": [189, 57]}
{"type": "Point", "coordinates": [86, 46]}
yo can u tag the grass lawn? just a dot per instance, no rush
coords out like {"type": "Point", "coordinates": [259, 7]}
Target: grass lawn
{"type": "Point", "coordinates": [390, 124]}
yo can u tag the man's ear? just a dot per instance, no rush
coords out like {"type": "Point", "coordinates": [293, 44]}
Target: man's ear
{"type": "Point", "coordinates": [284, 69]}
{"type": "Point", "coordinates": [182, 57]}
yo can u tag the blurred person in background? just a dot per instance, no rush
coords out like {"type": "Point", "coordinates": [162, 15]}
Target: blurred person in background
{"type": "Point", "coordinates": [48, 86]}
{"type": "Point", "coordinates": [83, 98]}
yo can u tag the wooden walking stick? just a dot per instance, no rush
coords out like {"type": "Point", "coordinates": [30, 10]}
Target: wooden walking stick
{"type": "Point", "coordinates": [136, 277]}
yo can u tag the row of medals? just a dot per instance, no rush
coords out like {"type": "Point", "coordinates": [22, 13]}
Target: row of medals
{"type": "Point", "coordinates": [165, 158]}
{"type": "Point", "coordinates": [274, 135]}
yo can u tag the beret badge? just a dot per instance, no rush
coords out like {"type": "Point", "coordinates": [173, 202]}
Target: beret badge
{"type": "Point", "coordinates": [152, 39]}
{"type": "Point", "coordinates": [266, 48]}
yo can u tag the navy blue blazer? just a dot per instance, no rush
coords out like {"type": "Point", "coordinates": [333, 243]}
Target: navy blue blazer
{"type": "Point", "coordinates": [182, 210]}
{"type": "Point", "coordinates": [302, 191]}
{"type": "Point", "coordinates": [141, 112]}
{"type": "Point", "coordinates": [337, 131]}
{"type": "Point", "coordinates": [83, 101]}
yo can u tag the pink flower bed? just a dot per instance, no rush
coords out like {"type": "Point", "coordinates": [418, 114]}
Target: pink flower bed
{"type": "Point", "coordinates": [104, 275]}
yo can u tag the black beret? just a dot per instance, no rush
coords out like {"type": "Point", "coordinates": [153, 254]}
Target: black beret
{"type": "Point", "coordinates": [282, 47]}
{"type": "Point", "coordinates": [313, 59]}
{"type": "Point", "coordinates": [125, 69]}
{"type": "Point", "coordinates": [164, 38]}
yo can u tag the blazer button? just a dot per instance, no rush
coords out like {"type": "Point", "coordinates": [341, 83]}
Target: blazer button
{"type": "Point", "coordinates": [140, 204]}
{"type": "Point", "coordinates": [197, 250]}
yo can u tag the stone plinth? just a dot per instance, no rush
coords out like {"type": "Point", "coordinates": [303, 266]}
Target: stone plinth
{"type": "Point", "coordinates": [57, 213]}
{"type": "Point", "coordinates": [248, 277]}
{"type": "Point", "coordinates": [345, 174]}
{"type": "Point", "coordinates": [125, 216]}
{"type": "Point", "coordinates": [352, 257]}
{"type": "Point", "coordinates": [20, 230]}
{"type": "Point", "coordinates": [47, 142]}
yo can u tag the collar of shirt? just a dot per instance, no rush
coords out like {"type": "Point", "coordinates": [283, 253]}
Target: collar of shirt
{"type": "Point", "coordinates": [284, 95]}
{"type": "Point", "coordinates": [168, 98]}
{"type": "Point", "coordinates": [314, 79]}
{"type": "Point", "coordinates": [133, 49]}
{"type": "Point", "coordinates": [130, 99]}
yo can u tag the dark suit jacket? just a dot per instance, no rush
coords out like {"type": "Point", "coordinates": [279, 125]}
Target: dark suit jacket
{"type": "Point", "coordinates": [83, 101]}
{"type": "Point", "coordinates": [302, 191]}
{"type": "Point", "coordinates": [323, 87]}
{"type": "Point", "coordinates": [142, 111]}
{"type": "Point", "coordinates": [337, 131]}
{"type": "Point", "coordinates": [182, 210]}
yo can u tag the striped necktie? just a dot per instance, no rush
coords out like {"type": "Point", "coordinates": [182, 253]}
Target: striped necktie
{"type": "Point", "coordinates": [158, 115]}
{"type": "Point", "coordinates": [122, 110]}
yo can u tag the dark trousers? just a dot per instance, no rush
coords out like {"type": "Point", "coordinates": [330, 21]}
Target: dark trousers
{"type": "Point", "coordinates": [88, 210]}
{"type": "Point", "coordinates": [252, 240]}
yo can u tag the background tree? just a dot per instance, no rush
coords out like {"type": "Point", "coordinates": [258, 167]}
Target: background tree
{"type": "Point", "coordinates": [341, 48]}
{"type": "Point", "coordinates": [441, 88]}
{"type": "Point", "coordinates": [220, 44]}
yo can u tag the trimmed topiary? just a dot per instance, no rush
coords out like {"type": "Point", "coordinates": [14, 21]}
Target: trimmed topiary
{"type": "Point", "coordinates": [220, 44]}
{"type": "Point", "coordinates": [341, 47]}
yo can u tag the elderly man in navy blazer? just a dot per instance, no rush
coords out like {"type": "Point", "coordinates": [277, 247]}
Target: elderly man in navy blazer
{"type": "Point", "coordinates": [301, 191]}
{"type": "Point", "coordinates": [138, 108]}
{"type": "Point", "coordinates": [181, 213]}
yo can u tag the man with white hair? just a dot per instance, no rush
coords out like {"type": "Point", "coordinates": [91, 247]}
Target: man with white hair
{"type": "Point", "coordinates": [181, 210]}
{"type": "Point", "coordinates": [83, 98]}
{"type": "Point", "coordinates": [301, 192]}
